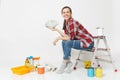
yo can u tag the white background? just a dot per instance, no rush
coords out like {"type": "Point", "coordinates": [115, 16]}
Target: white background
{"type": "Point", "coordinates": [23, 32]}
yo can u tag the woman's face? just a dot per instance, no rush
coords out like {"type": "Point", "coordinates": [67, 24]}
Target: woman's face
{"type": "Point", "coordinates": [66, 14]}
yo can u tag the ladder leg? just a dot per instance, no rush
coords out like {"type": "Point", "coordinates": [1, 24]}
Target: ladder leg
{"type": "Point", "coordinates": [109, 54]}
{"type": "Point", "coordinates": [95, 53]}
{"type": "Point", "coordinates": [77, 60]}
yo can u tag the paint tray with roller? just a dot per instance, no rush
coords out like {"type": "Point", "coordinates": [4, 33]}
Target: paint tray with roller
{"type": "Point", "coordinates": [20, 70]}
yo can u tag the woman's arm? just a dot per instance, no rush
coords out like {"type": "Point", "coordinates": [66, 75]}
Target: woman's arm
{"type": "Point", "coordinates": [61, 33]}
{"type": "Point", "coordinates": [60, 38]}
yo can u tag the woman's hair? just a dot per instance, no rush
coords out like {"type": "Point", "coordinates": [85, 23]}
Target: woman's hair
{"type": "Point", "coordinates": [64, 23]}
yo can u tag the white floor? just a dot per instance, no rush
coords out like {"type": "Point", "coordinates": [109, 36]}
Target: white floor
{"type": "Point", "coordinates": [79, 74]}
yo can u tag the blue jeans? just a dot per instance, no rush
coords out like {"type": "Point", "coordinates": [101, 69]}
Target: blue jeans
{"type": "Point", "coordinates": [75, 44]}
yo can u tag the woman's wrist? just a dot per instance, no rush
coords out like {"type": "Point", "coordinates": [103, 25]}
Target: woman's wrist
{"type": "Point", "coordinates": [58, 38]}
{"type": "Point", "coordinates": [56, 29]}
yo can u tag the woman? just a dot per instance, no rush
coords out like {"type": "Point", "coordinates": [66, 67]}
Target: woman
{"type": "Point", "coordinates": [74, 36]}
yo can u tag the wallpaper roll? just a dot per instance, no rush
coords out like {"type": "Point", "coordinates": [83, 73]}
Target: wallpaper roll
{"type": "Point", "coordinates": [51, 23]}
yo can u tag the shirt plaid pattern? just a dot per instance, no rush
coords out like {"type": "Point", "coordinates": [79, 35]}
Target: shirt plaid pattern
{"type": "Point", "coordinates": [77, 32]}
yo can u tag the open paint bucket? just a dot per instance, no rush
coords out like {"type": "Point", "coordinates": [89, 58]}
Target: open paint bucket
{"type": "Point", "coordinates": [41, 69]}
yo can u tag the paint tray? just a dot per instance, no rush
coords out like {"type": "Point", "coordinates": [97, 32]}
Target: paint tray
{"type": "Point", "coordinates": [20, 70]}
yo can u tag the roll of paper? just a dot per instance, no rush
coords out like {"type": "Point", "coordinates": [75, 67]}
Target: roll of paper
{"type": "Point", "coordinates": [51, 23]}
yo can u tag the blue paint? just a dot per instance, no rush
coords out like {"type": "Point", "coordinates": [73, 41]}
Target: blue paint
{"type": "Point", "coordinates": [90, 72]}
{"type": "Point", "coordinates": [30, 57]}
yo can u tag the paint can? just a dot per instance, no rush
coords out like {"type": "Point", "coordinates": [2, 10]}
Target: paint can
{"type": "Point", "coordinates": [98, 72]}
{"type": "Point", "coordinates": [100, 31]}
{"type": "Point", "coordinates": [90, 72]}
{"type": "Point", "coordinates": [41, 69]}
{"type": "Point", "coordinates": [87, 64]}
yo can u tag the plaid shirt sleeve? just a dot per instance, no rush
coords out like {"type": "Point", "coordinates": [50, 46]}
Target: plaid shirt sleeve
{"type": "Point", "coordinates": [84, 36]}
{"type": "Point", "coordinates": [77, 32]}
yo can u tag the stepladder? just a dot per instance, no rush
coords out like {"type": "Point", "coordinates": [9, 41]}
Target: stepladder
{"type": "Point", "coordinates": [106, 56]}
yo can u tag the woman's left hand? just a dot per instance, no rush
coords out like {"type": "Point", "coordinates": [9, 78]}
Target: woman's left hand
{"type": "Point", "coordinates": [55, 41]}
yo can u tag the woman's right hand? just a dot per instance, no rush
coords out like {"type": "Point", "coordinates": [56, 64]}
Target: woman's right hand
{"type": "Point", "coordinates": [53, 29]}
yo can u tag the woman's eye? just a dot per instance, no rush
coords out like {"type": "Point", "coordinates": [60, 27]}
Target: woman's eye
{"type": "Point", "coordinates": [67, 11]}
{"type": "Point", "coordinates": [63, 13]}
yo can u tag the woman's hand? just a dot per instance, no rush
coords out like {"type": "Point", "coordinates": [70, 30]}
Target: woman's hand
{"type": "Point", "coordinates": [53, 29]}
{"type": "Point", "coordinates": [56, 40]}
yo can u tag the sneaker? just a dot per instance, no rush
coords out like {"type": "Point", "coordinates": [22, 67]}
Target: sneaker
{"type": "Point", "coordinates": [61, 69]}
{"type": "Point", "coordinates": [69, 65]}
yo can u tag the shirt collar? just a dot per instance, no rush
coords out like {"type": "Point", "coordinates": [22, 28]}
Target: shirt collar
{"type": "Point", "coordinates": [70, 21]}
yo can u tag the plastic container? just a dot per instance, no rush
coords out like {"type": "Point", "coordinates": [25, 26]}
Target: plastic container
{"type": "Point", "coordinates": [31, 60]}
{"type": "Point", "coordinates": [27, 62]}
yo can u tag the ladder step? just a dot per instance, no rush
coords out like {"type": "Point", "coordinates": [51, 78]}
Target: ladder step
{"type": "Point", "coordinates": [105, 60]}
{"type": "Point", "coordinates": [103, 49]}
{"type": "Point", "coordinates": [101, 37]}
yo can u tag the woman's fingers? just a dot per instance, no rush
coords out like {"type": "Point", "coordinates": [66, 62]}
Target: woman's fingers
{"type": "Point", "coordinates": [53, 28]}
{"type": "Point", "coordinates": [54, 42]}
